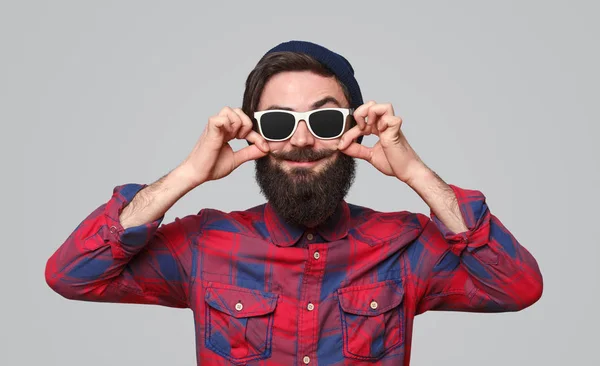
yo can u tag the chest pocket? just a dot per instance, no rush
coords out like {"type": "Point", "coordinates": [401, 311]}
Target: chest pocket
{"type": "Point", "coordinates": [239, 322]}
{"type": "Point", "coordinates": [372, 319]}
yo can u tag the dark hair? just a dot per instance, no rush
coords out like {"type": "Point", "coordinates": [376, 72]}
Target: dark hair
{"type": "Point", "coordinates": [274, 63]}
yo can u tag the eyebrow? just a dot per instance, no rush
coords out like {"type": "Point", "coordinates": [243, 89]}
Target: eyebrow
{"type": "Point", "coordinates": [315, 105]}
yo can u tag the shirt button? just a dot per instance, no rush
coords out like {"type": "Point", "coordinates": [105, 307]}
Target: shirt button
{"type": "Point", "coordinates": [374, 305]}
{"type": "Point", "coordinates": [310, 306]}
{"type": "Point", "coordinates": [239, 306]}
{"type": "Point", "coordinates": [306, 360]}
{"type": "Point", "coordinates": [309, 236]}
{"type": "Point", "coordinates": [113, 229]}
{"type": "Point", "coordinates": [317, 255]}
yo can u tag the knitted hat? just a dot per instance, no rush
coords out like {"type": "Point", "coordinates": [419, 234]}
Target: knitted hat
{"type": "Point", "coordinates": [334, 62]}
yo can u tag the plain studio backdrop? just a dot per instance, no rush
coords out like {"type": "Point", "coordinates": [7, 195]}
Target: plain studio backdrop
{"type": "Point", "coordinates": [496, 96]}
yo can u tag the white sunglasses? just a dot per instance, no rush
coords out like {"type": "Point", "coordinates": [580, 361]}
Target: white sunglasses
{"type": "Point", "coordinates": [324, 124]}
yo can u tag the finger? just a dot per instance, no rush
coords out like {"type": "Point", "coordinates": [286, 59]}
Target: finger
{"type": "Point", "coordinates": [246, 126]}
{"type": "Point", "coordinates": [389, 107]}
{"type": "Point", "coordinates": [352, 134]}
{"type": "Point", "coordinates": [225, 111]}
{"type": "Point", "coordinates": [376, 113]}
{"type": "Point", "coordinates": [358, 151]}
{"type": "Point", "coordinates": [248, 153]}
{"type": "Point", "coordinates": [361, 112]}
{"type": "Point", "coordinates": [382, 109]}
{"type": "Point", "coordinates": [234, 120]}
{"type": "Point", "coordinates": [382, 124]}
{"type": "Point", "coordinates": [372, 117]}
{"type": "Point", "coordinates": [219, 124]}
{"type": "Point", "coordinates": [228, 113]}
{"type": "Point", "coordinates": [255, 138]}
{"type": "Point", "coordinates": [387, 121]}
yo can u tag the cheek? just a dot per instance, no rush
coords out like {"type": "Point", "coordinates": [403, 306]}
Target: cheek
{"type": "Point", "coordinates": [277, 146]}
{"type": "Point", "coordinates": [328, 144]}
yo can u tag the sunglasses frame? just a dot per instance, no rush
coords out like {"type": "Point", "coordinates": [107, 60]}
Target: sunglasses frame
{"type": "Point", "coordinates": [303, 116]}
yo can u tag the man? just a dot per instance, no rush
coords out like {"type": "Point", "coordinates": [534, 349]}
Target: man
{"type": "Point", "coordinates": [306, 278]}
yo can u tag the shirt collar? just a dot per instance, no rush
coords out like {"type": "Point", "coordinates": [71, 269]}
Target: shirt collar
{"type": "Point", "coordinates": [284, 234]}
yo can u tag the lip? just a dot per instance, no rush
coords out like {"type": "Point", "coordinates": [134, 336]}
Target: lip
{"type": "Point", "coordinates": [302, 164]}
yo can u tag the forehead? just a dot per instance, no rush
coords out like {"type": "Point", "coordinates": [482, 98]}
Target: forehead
{"type": "Point", "coordinates": [299, 90]}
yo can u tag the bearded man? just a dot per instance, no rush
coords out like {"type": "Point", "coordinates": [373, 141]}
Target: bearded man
{"type": "Point", "coordinates": [306, 278]}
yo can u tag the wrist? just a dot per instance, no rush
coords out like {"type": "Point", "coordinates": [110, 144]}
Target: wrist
{"type": "Point", "coordinates": [183, 179]}
{"type": "Point", "coordinates": [421, 176]}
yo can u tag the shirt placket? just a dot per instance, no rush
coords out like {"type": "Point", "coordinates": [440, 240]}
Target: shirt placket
{"type": "Point", "coordinates": [310, 295]}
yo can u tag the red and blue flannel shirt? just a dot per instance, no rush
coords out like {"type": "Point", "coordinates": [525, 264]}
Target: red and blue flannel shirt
{"type": "Point", "coordinates": [266, 293]}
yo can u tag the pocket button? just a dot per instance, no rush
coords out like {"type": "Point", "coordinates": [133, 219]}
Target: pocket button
{"type": "Point", "coordinates": [239, 306]}
{"type": "Point", "coordinates": [374, 304]}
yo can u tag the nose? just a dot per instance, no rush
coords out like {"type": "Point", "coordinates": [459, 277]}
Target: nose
{"type": "Point", "coordinates": [302, 136]}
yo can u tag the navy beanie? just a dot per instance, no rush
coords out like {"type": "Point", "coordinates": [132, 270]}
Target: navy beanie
{"type": "Point", "coordinates": [334, 62]}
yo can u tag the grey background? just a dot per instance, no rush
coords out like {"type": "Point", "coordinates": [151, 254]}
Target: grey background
{"type": "Point", "coordinates": [496, 96]}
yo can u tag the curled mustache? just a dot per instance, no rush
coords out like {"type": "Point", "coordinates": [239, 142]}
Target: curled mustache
{"type": "Point", "coordinates": [303, 155]}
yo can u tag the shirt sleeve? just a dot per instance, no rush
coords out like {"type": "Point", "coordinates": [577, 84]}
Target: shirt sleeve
{"type": "Point", "coordinates": [484, 269]}
{"type": "Point", "coordinates": [101, 261]}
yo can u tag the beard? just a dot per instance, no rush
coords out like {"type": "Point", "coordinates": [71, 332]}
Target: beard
{"type": "Point", "coordinates": [301, 196]}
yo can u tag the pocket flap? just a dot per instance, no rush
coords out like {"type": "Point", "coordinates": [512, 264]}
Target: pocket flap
{"type": "Point", "coordinates": [373, 299]}
{"type": "Point", "coordinates": [239, 302]}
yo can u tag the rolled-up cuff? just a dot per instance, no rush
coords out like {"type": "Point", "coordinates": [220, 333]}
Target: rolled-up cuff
{"type": "Point", "coordinates": [476, 215]}
{"type": "Point", "coordinates": [126, 242]}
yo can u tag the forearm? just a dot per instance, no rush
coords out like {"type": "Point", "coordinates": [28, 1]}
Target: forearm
{"type": "Point", "coordinates": [489, 271]}
{"type": "Point", "coordinates": [155, 200]}
{"type": "Point", "coordinates": [99, 261]}
{"type": "Point", "coordinates": [440, 198]}
{"type": "Point", "coordinates": [481, 267]}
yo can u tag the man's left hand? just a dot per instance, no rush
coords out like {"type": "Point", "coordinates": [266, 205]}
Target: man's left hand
{"type": "Point", "coordinates": [392, 154]}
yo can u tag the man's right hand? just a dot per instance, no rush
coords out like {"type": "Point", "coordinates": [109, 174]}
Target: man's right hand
{"type": "Point", "coordinates": [213, 158]}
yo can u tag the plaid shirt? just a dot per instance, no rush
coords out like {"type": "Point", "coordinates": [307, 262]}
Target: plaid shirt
{"type": "Point", "coordinates": [267, 293]}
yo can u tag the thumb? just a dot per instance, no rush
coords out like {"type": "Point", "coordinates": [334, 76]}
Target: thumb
{"type": "Point", "coordinates": [357, 150]}
{"type": "Point", "coordinates": [248, 153]}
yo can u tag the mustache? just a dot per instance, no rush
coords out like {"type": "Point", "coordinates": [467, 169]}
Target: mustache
{"type": "Point", "coordinates": [303, 154]}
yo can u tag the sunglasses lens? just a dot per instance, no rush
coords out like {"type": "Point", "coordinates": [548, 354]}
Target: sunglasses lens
{"type": "Point", "coordinates": [277, 125]}
{"type": "Point", "coordinates": [327, 124]}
